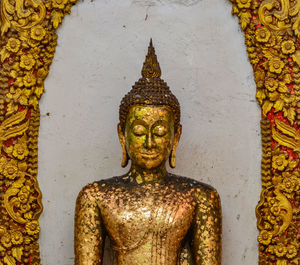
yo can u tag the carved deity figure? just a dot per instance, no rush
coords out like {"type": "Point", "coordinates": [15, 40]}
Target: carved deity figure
{"type": "Point", "coordinates": [151, 217]}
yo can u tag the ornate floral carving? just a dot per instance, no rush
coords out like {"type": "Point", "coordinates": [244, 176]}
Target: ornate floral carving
{"type": "Point", "coordinates": [27, 46]}
{"type": "Point", "coordinates": [272, 31]}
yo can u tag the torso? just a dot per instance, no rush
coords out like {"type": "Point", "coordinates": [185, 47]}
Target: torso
{"type": "Point", "coordinates": [147, 223]}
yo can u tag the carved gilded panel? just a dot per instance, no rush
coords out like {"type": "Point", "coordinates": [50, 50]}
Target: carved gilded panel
{"type": "Point", "coordinates": [272, 31]}
{"type": "Point", "coordinates": [27, 46]}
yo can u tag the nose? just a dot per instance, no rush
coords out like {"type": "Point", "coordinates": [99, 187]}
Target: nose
{"type": "Point", "coordinates": [149, 141]}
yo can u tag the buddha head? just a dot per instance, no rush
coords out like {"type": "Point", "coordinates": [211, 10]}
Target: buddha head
{"type": "Point", "coordinates": [149, 128]}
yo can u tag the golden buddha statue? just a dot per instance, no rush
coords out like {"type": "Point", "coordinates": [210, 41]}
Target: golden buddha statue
{"type": "Point", "coordinates": [151, 217]}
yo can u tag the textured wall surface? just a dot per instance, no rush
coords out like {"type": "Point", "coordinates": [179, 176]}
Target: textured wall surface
{"type": "Point", "coordinates": [100, 52]}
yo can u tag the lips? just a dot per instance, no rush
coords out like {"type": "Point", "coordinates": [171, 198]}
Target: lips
{"type": "Point", "coordinates": [150, 156]}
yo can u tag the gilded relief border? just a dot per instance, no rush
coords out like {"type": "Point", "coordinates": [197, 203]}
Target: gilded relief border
{"type": "Point", "coordinates": [272, 31]}
{"type": "Point", "coordinates": [27, 46]}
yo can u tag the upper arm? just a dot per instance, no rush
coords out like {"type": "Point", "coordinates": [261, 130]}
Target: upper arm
{"type": "Point", "coordinates": [207, 230]}
{"type": "Point", "coordinates": [89, 231]}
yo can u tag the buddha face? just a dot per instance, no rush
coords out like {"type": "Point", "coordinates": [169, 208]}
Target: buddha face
{"type": "Point", "coordinates": [149, 135]}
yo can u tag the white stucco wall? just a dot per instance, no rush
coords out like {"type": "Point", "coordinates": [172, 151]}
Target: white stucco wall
{"type": "Point", "coordinates": [101, 48]}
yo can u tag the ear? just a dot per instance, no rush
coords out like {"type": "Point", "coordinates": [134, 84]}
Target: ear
{"type": "Point", "coordinates": [125, 157]}
{"type": "Point", "coordinates": [172, 157]}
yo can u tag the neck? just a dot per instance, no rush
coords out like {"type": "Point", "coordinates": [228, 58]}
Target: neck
{"type": "Point", "coordinates": [142, 175]}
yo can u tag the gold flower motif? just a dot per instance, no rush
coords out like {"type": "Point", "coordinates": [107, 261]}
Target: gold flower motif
{"type": "Point", "coordinates": [23, 194]}
{"type": "Point", "coordinates": [42, 73]}
{"type": "Point", "coordinates": [272, 220]}
{"type": "Point", "coordinates": [272, 201]}
{"type": "Point", "coordinates": [280, 250]}
{"type": "Point", "coordinates": [243, 3]}
{"type": "Point", "coordinates": [19, 96]}
{"type": "Point", "coordinates": [279, 162]}
{"type": "Point", "coordinates": [291, 251]}
{"type": "Point", "coordinates": [289, 185]}
{"type": "Point", "coordinates": [288, 47]}
{"type": "Point", "coordinates": [278, 219]}
{"type": "Point", "coordinates": [16, 237]}
{"type": "Point", "coordinates": [262, 35]}
{"type": "Point", "coordinates": [10, 169]}
{"type": "Point", "coordinates": [271, 84]}
{"type": "Point", "coordinates": [6, 240]}
{"type": "Point", "coordinates": [32, 227]}
{"type": "Point", "coordinates": [264, 237]}
{"type": "Point", "coordinates": [29, 80]}
{"type": "Point", "coordinates": [276, 180]}
{"type": "Point", "coordinates": [28, 215]}
{"type": "Point", "coordinates": [276, 65]}
{"type": "Point", "coordinates": [13, 45]}
{"type": "Point", "coordinates": [20, 149]}
{"type": "Point", "coordinates": [35, 52]}
{"type": "Point", "coordinates": [24, 208]}
{"type": "Point", "coordinates": [59, 3]}
{"type": "Point", "coordinates": [27, 61]}
{"type": "Point", "coordinates": [267, 225]}
{"type": "Point", "coordinates": [275, 209]}
{"type": "Point", "coordinates": [37, 33]}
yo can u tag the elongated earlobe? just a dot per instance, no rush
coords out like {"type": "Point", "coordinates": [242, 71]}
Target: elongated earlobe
{"type": "Point", "coordinates": [125, 157]}
{"type": "Point", "coordinates": [172, 158]}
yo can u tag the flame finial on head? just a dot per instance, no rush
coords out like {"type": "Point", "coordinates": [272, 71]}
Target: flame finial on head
{"type": "Point", "coordinates": [151, 66]}
{"type": "Point", "coordinates": [150, 89]}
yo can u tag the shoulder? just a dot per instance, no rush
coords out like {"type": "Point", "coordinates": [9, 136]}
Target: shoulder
{"type": "Point", "coordinates": [201, 191]}
{"type": "Point", "coordinates": [87, 194]}
{"type": "Point", "coordinates": [106, 183]}
{"type": "Point", "coordinates": [97, 189]}
{"type": "Point", "coordinates": [190, 183]}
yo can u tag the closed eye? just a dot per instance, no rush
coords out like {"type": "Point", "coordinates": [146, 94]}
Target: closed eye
{"type": "Point", "coordinates": [159, 130]}
{"type": "Point", "coordinates": [139, 130]}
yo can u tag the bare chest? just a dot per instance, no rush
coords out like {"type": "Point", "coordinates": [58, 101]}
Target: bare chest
{"type": "Point", "coordinates": [132, 217]}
